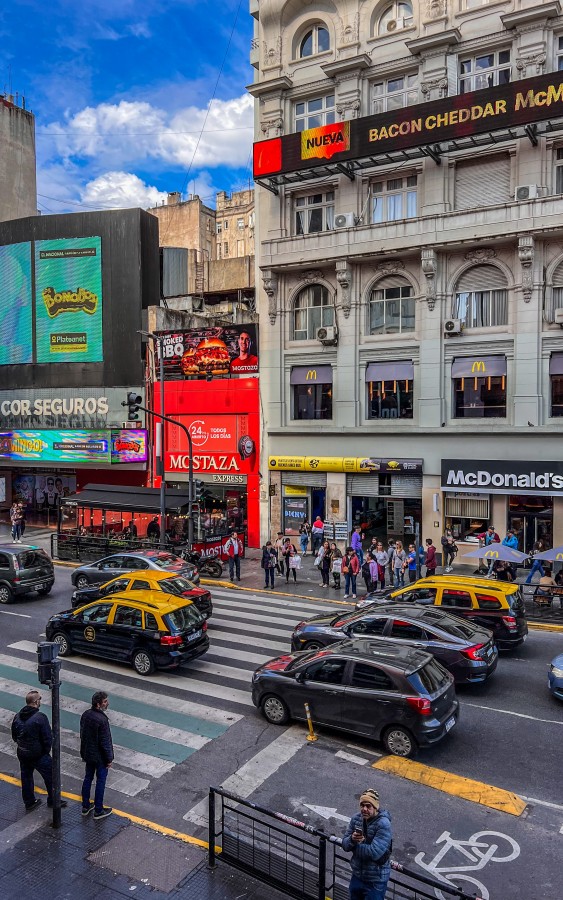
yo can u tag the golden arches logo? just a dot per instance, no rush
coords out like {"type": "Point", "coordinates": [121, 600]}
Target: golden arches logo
{"type": "Point", "coordinates": [559, 557]}
{"type": "Point", "coordinates": [311, 375]}
{"type": "Point", "coordinates": [478, 366]}
{"type": "Point", "coordinates": [492, 554]}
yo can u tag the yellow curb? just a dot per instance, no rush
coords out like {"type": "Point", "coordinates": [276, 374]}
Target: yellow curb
{"type": "Point", "coordinates": [269, 592]}
{"type": "Point", "coordinates": [136, 820]}
{"type": "Point", "coordinates": [456, 785]}
{"type": "Point", "coordinates": [544, 626]}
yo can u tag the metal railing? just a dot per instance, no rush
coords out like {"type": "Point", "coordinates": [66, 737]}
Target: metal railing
{"type": "Point", "coordinates": [297, 859]}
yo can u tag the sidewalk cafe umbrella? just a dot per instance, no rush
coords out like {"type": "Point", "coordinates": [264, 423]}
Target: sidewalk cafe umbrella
{"type": "Point", "coordinates": [497, 552]}
{"type": "Point", "coordinates": [553, 555]}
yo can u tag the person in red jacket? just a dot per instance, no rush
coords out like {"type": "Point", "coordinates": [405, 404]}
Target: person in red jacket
{"type": "Point", "coordinates": [430, 558]}
{"type": "Point", "coordinates": [350, 569]}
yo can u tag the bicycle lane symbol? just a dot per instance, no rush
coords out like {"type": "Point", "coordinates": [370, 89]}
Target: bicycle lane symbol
{"type": "Point", "coordinates": [474, 854]}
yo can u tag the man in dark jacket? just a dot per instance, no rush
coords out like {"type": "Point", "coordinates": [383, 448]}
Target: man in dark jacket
{"type": "Point", "coordinates": [32, 733]}
{"type": "Point", "coordinates": [96, 749]}
{"type": "Point", "coordinates": [369, 839]}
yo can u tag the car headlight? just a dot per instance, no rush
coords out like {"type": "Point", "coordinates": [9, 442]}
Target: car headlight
{"type": "Point", "coordinates": [556, 671]}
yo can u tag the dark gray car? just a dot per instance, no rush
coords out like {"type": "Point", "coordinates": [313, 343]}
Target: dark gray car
{"type": "Point", "coordinates": [391, 693]}
{"type": "Point", "coordinates": [23, 569]}
{"type": "Point", "coordinates": [132, 561]}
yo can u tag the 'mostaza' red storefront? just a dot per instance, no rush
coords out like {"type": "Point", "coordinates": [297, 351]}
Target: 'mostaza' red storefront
{"type": "Point", "coordinates": [223, 418]}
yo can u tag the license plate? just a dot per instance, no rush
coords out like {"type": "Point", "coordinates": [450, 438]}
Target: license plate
{"type": "Point", "coordinates": [194, 636]}
{"type": "Point", "coordinates": [39, 587]}
{"type": "Point", "coordinates": [450, 723]}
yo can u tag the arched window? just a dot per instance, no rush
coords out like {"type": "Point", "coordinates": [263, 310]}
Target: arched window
{"type": "Point", "coordinates": [554, 298]}
{"type": "Point", "coordinates": [311, 310]}
{"type": "Point", "coordinates": [481, 298]}
{"type": "Point", "coordinates": [391, 306]}
{"type": "Point", "coordinates": [394, 17]}
{"type": "Point", "coordinates": [316, 40]}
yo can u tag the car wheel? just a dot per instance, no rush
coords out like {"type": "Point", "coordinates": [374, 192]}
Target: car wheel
{"type": "Point", "coordinates": [143, 662]}
{"type": "Point", "coordinates": [6, 594]}
{"type": "Point", "coordinates": [44, 591]}
{"type": "Point", "coordinates": [82, 582]}
{"type": "Point", "coordinates": [275, 710]}
{"type": "Point", "coordinates": [313, 645]}
{"type": "Point", "coordinates": [399, 742]}
{"type": "Point", "coordinates": [61, 639]}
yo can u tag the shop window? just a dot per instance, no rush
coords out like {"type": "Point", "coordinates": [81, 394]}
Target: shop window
{"type": "Point", "coordinates": [390, 400]}
{"type": "Point", "coordinates": [467, 517]}
{"type": "Point", "coordinates": [314, 212]}
{"type": "Point", "coordinates": [315, 112]}
{"type": "Point", "coordinates": [312, 310]}
{"type": "Point", "coordinates": [394, 93]}
{"type": "Point", "coordinates": [480, 397]}
{"type": "Point", "coordinates": [484, 71]}
{"type": "Point", "coordinates": [391, 307]}
{"type": "Point", "coordinates": [393, 199]}
{"type": "Point", "coordinates": [316, 40]}
{"type": "Point", "coordinates": [395, 17]}
{"type": "Point", "coordinates": [312, 401]}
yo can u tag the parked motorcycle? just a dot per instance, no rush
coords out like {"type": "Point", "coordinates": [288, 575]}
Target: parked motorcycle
{"type": "Point", "coordinates": [210, 566]}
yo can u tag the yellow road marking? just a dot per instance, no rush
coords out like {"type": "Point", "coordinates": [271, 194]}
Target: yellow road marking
{"type": "Point", "coordinates": [466, 788]}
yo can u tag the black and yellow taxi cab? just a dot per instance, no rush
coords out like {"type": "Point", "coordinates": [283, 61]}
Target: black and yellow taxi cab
{"type": "Point", "coordinates": [497, 605]}
{"type": "Point", "coordinates": [146, 580]}
{"type": "Point", "coordinates": [150, 630]}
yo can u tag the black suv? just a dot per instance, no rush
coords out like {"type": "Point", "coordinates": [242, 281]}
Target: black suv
{"type": "Point", "coordinates": [24, 569]}
{"type": "Point", "coordinates": [394, 694]}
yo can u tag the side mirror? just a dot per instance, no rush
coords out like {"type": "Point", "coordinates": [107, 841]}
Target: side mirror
{"type": "Point", "coordinates": [300, 677]}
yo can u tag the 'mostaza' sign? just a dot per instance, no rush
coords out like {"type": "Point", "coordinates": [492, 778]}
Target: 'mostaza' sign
{"type": "Point", "coordinates": [500, 477]}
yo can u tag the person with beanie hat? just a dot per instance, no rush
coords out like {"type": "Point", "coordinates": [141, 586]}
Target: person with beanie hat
{"type": "Point", "coordinates": [370, 840]}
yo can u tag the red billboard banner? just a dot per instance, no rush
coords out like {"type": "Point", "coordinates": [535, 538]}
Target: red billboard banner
{"type": "Point", "coordinates": [221, 443]}
{"type": "Point", "coordinates": [216, 352]}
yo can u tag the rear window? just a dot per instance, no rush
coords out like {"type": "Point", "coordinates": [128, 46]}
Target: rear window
{"type": "Point", "coordinates": [450, 624]}
{"type": "Point", "coordinates": [30, 558]}
{"type": "Point", "coordinates": [165, 560]}
{"type": "Point", "coordinates": [430, 678]}
{"type": "Point", "coordinates": [183, 618]}
{"type": "Point", "coordinates": [486, 601]}
{"type": "Point", "coordinates": [176, 585]}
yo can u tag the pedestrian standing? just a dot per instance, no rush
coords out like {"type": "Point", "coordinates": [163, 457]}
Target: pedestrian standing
{"type": "Point", "coordinates": [289, 551]}
{"type": "Point", "coordinates": [449, 550]}
{"type": "Point", "coordinates": [269, 562]}
{"type": "Point", "coordinates": [317, 532]}
{"type": "Point", "coordinates": [15, 519]}
{"type": "Point", "coordinates": [367, 572]}
{"type": "Point", "coordinates": [22, 518]}
{"type": "Point", "coordinates": [31, 731]}
{"type": "Point", "coordinates": [233, 548]}
{"type": "Point", "coordinates": [350, 568]}
{"type": "Point", "coordinates": [539, 547]}
{"type": "Point", "coordinates": [356, 543]}
{"type": "Point", "coordinates": [390, 551]}
{"type": "Point", "coordinates": [326, 562]}
{"type": "Point", "coordinates": [489, 537]}
{"type": "Point", "coordinates": [370, 841]}
{"type": "Point", "coordinates": [399, 563]}
{"type": "Point", "coordinates": [382, 559]}
{"type": "Point", "coordinates": [304, 532]}
{"type": "Point", "coordinates": [430, 558]}
{"type": "Point", "coordinates": [279, 547]}
{"type": "Point", "coordinates": [411, 563]}
{"type": "Point", "coordinates": [96, 749]}
{"type": "Point", "coordinates": [336, 565]}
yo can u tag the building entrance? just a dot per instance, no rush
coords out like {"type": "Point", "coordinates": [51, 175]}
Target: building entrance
{"type": "Point", "coordinates": [531, 519]}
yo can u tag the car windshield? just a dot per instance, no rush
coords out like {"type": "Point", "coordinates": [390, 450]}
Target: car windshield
{"type": "Point", "coordinates": [302, 657]}
{"type": "Point", "coordinates": [29, 558]}
{"type": "Point", "coordinates": [184, 618]}
{"type": "Point", "coordinates": [166, 560]}
{"type": "Point", "coordinates": [429, 678]}
{"type": "Point", "coordinates": [178, 585]}
{"type": "Point", "coordinates": [450, 624]}
{"type": "Point", "coordinates": [345, 616]}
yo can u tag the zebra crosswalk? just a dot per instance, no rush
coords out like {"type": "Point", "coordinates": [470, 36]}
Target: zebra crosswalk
{"type": "Point", "coordinates": [159, 721]}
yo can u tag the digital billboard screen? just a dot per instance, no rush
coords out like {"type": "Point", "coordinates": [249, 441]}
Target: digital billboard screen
{"type": "Point", "coordinates": [68, 300]}
{"type": "Point", "coordinates": [16, 334]}
{"type": "Point", "coordinates": [218, 352]}
{"type": "Point", "coordinates": [84, 446]}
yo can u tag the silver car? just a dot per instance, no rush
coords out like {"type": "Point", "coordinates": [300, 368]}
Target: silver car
{"type": "Point", "coordinates": [118, 563]}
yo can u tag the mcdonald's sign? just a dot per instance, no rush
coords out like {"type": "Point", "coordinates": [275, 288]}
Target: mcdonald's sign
{"type": "Point", "coordinates": [559, 557]}
{"type": "Point", "coordinates": [478, 366]}
{"type": "Point", "coordinates": [311, 375]}
{"type": "Point", "coordinates": [491, 554]}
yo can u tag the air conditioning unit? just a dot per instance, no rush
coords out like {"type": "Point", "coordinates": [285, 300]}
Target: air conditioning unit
{"type": "Point", "coordinates": [345, 220]}
{"type": "Point", "coordinates": [453, 326]}
{"type": "Point", "coordinates": [558, 316]}
{"type": "Point", "coordinates": [328, 334]}
{"type": "Point", "coordinates": [526, 192]}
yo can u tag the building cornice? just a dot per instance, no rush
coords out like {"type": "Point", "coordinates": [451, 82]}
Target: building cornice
{"type": "Point", "coordinates": [346, 66]}
{"type": "Point", "coordinates": [537, 13]}
{"type": "Point", "coordinates": [434, 41]}
{"type": "Point", "coordinates": [259, 88]}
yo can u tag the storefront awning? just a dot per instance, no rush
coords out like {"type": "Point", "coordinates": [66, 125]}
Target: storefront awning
{"type": "Point", "coordinates": [478, 366]}
{"type": "Point", "coordinates": [310, 375]}
{"type": "Point", "coordinates": [556, 364]}
{"type": "Point", "coordinates": [127, 499]}
{"type": "Point", "coordinates": [390, 371]}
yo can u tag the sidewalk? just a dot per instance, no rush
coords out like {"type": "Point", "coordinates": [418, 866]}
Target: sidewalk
{"type": "Point", "coordinates": [107, 860]}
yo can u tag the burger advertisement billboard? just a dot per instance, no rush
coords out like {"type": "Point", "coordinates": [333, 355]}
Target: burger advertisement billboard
{"type": "Point", "coordinates": [216, 352]}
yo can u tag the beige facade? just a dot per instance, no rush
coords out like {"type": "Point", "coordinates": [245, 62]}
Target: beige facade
{"type": "Point", "coordinates": [186, 223]}
{"type": "Point", "coordinates": [235, 224]}
{"type": "Point", "coordinates": [18, 188]}
{"type": "Point", "coordinates": [400, 278]}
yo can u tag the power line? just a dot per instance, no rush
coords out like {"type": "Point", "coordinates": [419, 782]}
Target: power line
{"type": "Point", "coordinates": [140, 133]}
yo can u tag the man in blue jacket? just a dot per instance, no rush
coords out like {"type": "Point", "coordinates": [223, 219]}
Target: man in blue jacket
{"type": "Point", "coordinates": [31, 731]}
{"type": "Point", "coordinates": [369, 839]}
{"type": "Point", "coordinates": [96, 749]}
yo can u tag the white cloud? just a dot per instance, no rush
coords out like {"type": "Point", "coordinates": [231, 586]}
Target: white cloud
{"type": "Point", "coordinates": [121, 190]}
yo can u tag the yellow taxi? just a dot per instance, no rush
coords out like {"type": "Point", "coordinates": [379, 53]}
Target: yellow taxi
{"type": "Point", "coordinates": [147, 580]}
{"type": "Point", "coordinates": [151, 630]}
{"type": "Point", "coordinates": [497, 605]}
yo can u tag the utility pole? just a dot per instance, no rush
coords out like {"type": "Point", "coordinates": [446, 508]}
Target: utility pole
{"type": "Point", "coordinates": [48, 672]}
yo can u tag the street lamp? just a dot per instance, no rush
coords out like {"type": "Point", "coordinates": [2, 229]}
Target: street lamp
{"type": "Point", "coordinates": [159, 340]}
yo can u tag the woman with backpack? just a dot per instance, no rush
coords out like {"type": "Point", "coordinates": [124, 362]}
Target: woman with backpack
{"type": "Point", "coordinates": [350, 569]}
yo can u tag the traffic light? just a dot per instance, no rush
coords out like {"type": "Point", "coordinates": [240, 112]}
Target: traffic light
{"type": "Point", "coordinates": [47, 652]}
{"type": "Point", "coordinates": [199, 491]}
{"type": "Point", "coordinates": [133, 401]}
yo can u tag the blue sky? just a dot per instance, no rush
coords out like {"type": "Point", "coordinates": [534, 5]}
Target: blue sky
{"type": "Point", "coordinates": [121, 90]}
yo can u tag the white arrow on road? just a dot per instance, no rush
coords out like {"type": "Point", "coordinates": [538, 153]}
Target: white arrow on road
{"type": "Point", "coordinates": [327, 812]}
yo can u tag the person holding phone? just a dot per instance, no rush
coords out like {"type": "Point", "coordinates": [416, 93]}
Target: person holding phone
{"type": "Point", "coordinates": [370, 841]}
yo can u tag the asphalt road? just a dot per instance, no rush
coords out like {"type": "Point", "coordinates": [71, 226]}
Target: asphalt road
{"type": "Point", "coordinates": [179, 733]}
